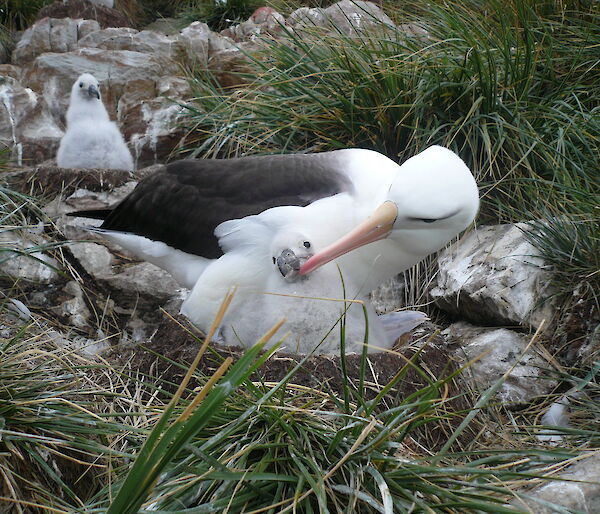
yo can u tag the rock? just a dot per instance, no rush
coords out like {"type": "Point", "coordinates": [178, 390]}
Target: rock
{"type": "Point", "coordinates": [85, 9]}
{"type": "Point", "coordinates": [130, 39]}
{"type": "Point", "coordinates": [349, 17]}
{"type": "Point", "coordinates": [105, 3]}
{"type": "Point", "coordinates": [81, 345]}
{"type": "Point", "coordinates": [494, 275]}
{"type": "Point", "coordinates": [576, 490]}
{"type": "Point", "coordinates": [129, 283]}
{"type": "Point", "coordinates": [389, 296]}
{"type": "Point", "coordinates": [166, 26]}
{"type": "Point", "coordinates": [51, 35]}
{"type": "Point", "coordinates": [16, 104]}
{"type": "Point", "coordinates": [354, 16]}
{"type": "Point", "coordinates": [141, 283]}
{"type": "Point", "coordinates": [11, 71]}
{"type": "Point", "coordinates": [195, 39]}
{"type": "Point", "coordinates": [73, 227]}
{"type": "Point", "coordinates": [22, 258]}
{"type": "Point", "coordinates": [75, 309]}
{"type": "Point", "coordinates": [307, 17]}
{"type": "Point", "coordinates": [153, 126]}
{"type": "Point", "coordinates": [94, 258]}
{"type": "Point", "coordinates": [496, 351]}
{"type": "Point", "coordinates": [265, 20]}
{"type": "Point", "coordinates": [230, 64]}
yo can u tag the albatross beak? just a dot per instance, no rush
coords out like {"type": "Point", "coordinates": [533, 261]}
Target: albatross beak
{"type": "Point", "coordinates": [93, 91]}
{"type": "Point", "coordinates": [376, 227]}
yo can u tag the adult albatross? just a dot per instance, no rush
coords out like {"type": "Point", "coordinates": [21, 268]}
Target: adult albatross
{"type": "Point", "coordinates": [296, 234]}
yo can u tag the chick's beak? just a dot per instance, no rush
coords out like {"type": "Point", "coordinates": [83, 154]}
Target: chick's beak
{"type": "Point", "coordinates": [377, 226]}
{"type": "Point", "coordinates": [93, 91]}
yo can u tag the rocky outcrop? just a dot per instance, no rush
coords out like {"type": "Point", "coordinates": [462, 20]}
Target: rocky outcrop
{"type": "Point", "coordinates": [23, 258]}
{"type": "Point", "coordinates": [494, 352]}
{"type": "Point", "coordinates": [264, 21]}
{"type": "Point", "coordinates": [495, 275]}
{"type": "Point", "coordinates": [104, 15]}
{"type": "Point", "coordinates": [348, 17]}
{"type": "Point", "coordinates": [51, 35]}
{"type": "Point", "coordinates": [146, 42]}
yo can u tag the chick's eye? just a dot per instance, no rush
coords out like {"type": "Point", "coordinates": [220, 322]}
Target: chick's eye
{"type": "Point", "coordinates": [306, 244]}
{"type": "Point", "coordinates": [274, 261]}
{"type": "Point", "coordinates": [81, 84]}
{"type": "Point", "coordinates": [427, 220]}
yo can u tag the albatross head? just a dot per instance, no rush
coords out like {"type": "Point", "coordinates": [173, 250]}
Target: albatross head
{"type": "Point", "coordinates": [431, 200]}
{"type": "Point", "coordinates": [86, 87]}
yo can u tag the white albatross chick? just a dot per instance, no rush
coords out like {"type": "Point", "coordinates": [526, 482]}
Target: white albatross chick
{"type": "Point", "coordinates": [91, 139]}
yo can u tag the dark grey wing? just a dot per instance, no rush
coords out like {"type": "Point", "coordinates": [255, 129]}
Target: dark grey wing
{"type": "Point", "coordinates": [183, 204]}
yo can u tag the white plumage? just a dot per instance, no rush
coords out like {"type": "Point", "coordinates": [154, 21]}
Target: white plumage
{"type": "Point", "coordinates": [430, 186]}
{"type": "Point", "coordinates": [91, 139]}
{"type": "Point", "coordinates": [288, 261]}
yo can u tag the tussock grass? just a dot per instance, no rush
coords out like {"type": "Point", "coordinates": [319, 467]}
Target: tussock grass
{"type": "Point", "coordinates": [218, 15]}
{"type": "Point", "coordinates": [283, 448]}
{"type": "Point", "coordinates": [20, 14]}
{"type": "Point", "coordinates": [58, 427]}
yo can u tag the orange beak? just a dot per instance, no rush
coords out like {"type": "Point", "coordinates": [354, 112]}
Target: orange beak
{"type": "Point", "coordinates": [376, 227]}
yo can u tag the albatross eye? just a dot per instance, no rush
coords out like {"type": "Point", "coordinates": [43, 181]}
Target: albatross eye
{"type": "Point", "coordinates": [306, 244]}
{"type": "Point", "coordinates": [274, 260]}
{"type": "Point", "coordinates": [81, 84]}
{"type": "Point", "coordinates": [427, 220]}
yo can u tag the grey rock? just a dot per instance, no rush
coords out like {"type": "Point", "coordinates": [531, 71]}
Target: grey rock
{"type": "Point", "coordinates": [52, 74]}
{"type": "Point", "coordinates": [496, 351]}
{"type": "Point", "coordinates": [22, 258]}
{"type": "Point", "coordinates": [166, 26]}
{"type": "Point", "coordinates": [86, 10]}
{"type": "Point", "coordinates": [51, 35]}
{"type": "Point", "coordinates": [16, 104]}
{"type": "Point", "coordinates": [578, 491]}
{"type": "Point", "coordinates": [94, 258]}
{"type": "Point", "coordinates": [153, 126]}
{"type": "Point", "coordinates": [195, 39]}
{"type": "Point", "coordinates": [265, 20]}
{"type": "Point", "coordinates": [307, 17]}
{"type": "Point", "coordinates": [494, 275]}
{"type": "Point", "coordinates": [10, 70]}
{"type": "Point", "coordinates": [127, 281]}
{"type": "Point", "coordinates": [143, 280]}
{"type": "Point", "coordinates": [75, 309]}
{"type": "Point", "coordinates": [146, 41]}
{"type": "Point", "coordinates": [79, 344]}
{"type": "Point", "coordinates": [349, 17]}
{"type": "Point", "coordinates": [75, 228]}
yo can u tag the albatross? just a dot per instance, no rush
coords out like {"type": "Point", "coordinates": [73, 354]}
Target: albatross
{"type": "Point", "coordinates": [304, 237]}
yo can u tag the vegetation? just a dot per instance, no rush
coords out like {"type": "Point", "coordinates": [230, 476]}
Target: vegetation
{"type": "Point", "coordinates": [219, 14]}
{"type": "Point", "coordinates": [20, 14]}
